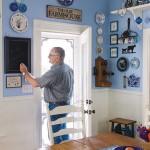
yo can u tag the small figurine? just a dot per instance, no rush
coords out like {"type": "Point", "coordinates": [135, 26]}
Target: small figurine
{"type": "Point", "coordinates": [129, 49]}
{"type": "Point", "coordinates": [140, 2]}
{"type": "Point", "coordinates": [129, 3]}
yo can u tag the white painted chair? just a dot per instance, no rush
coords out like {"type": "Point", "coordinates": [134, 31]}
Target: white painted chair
{"type": "Point", "coordinates": [71, 118]}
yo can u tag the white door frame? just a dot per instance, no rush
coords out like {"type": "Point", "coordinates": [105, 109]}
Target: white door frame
{"type": "Point", "coordinates": [40, 26]}
{"type": "Point", "coordinates": [146, 75]}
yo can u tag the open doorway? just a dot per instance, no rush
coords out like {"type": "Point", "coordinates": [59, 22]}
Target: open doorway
{"type": "Point", "coordinates": [47, 44]}
{"type": "Point", "coordinates": [78, 38]}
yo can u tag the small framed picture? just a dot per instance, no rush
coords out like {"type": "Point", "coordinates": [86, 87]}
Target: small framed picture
{"type": "Point", "coordinates": [13, 81]}
{"type": "Point", "coordinates": [113, 52]}
{"type": "Point", "coordinates": [114, 26]}
{"type": "Point", "coordinates": [113, 39]}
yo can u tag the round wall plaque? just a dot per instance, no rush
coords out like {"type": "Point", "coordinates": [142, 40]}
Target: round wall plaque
{"type": "Point", "coordinates": [122, 64]}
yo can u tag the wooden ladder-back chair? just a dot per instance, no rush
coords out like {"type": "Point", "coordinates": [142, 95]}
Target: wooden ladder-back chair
{"type": "Point", "coordinates": [70, 110]}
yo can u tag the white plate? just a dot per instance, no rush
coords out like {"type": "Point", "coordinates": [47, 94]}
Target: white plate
{"type": "Point", "coordinates": [99, 40]}
{"type": "Point", "coordinates": [99, 31]}
{"type": "Point", "coordinates": [18, 1]}
{"type": "Point", "coordinates": [135, 63]}
{"type": "Point", "coordinates": [99, 50]}
{"type": "Point", "coordinates": [100, 18]}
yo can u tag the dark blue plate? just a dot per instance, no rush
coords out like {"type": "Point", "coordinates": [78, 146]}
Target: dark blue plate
{"type": "Point", "coordinates": [13, 7]}
{"type": "Point", "coordinates": [22, 8]}
{"type": "Point", "coordinates": [66, 2]}
{"type": "Point", "coordinates": [124, 147]}
{"type": "Point", "coordinates": [122, 64]}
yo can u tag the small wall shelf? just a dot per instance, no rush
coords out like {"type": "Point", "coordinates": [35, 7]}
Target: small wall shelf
{"type": "Point", "coordinates": [136, 11]}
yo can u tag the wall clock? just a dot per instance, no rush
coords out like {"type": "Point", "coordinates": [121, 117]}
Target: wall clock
{"type": "Point", "coordinates": [19, 22]}
{"type": "Point", "coordinates": [66, 2]}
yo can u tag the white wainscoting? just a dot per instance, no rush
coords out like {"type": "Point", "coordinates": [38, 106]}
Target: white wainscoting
{"type": "Point", "coordinates": [100, 105]}
{"type": "Point", "coordinates": [110, 104]}
{"type": "Point", "coordinates": [17, 124]}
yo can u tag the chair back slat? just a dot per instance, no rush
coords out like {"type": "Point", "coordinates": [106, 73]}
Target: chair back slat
{"type": "Point", "coordinates": [65, 109]}
{"type": "Point", "coordinates": [66, 120]}
{"type": "Point", "coordinates": [70, 110]}
{"type": "Point", "coordinates": [67, 131]}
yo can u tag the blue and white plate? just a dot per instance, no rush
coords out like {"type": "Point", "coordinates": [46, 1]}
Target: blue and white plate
{"type": "Point", "coordinates": [124, 147]}
{"type": "Point", "coordinates": [135, 63]}
{"type": "Point", "coordinates": [13, 7]}
{"type": "Point", "coordinates": [133, 81]}
{"type": "Point", "coordinates": [22, 8]}
{"type": "Point", "coordinates": [66, 2]}
{"type": "Point", "coordinates": [100, 18]}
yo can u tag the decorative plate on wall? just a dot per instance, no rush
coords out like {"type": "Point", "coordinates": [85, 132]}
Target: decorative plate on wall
{"type": "Point", "coordinates": [135, 63]}
{"type": "Point", "coordinates": [99, 31]}
{"type": "Point", "coordinates": [13, 7]}
{"type": "Point", "coordinates": [133, 81]}
{"type": "Point", "coordinates": [99, 39]}
{"type": "Point", "coordinates": [19, 22]}
{"type": "Point", "coordinates": [99, 50]}
{"type": "Point", "coordinates": [22, 8]}
{"type": "Point", "coordinates": [122, 64]}
{"type": "Point", "coordinates": [100, 18]}
{"type": "Point", "coordinates": [66, 2]}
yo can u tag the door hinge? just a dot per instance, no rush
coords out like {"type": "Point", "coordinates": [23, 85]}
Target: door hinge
{"type": "Point", "coordinates": [89, 111]}
{"type": "Point", "coordinates": [89, 101]}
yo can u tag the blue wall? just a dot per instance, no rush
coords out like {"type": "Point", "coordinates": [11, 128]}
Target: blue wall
{"type": "Point", "coordinates": [117, 79]}
{"type": "Point", "coordinates": [36, 9]}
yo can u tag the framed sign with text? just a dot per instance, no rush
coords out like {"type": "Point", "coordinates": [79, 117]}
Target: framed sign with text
{"type": "Point", "coordinates": [64, 13]}
{"type": "Point", "coordinates": [13, 81]}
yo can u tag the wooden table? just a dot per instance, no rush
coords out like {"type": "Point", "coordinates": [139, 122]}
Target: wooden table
{"type": "Point", "coordinates": [99, 142]}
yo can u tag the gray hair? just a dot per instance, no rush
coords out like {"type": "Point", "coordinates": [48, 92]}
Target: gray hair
{"type": "Point", "coordinates": [60, 51]}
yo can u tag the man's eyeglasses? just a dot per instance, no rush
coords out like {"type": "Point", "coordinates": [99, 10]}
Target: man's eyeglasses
{"type": "Point", "coordinates": [50, 55]}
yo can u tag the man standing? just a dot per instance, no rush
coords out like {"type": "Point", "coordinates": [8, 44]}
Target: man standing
{"type": "Point", "coordinates": [57, 83]}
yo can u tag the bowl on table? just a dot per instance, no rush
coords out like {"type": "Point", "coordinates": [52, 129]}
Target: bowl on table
{"type": "Point", "coordinates": [128, 148]}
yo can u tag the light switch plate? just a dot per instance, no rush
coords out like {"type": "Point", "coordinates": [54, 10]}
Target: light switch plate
{"type": "Point", "coordinates": [27, 89]}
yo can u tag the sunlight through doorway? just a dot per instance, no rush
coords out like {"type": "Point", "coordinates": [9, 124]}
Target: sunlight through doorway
{"type": "Point", "coordinates": [46, 45]}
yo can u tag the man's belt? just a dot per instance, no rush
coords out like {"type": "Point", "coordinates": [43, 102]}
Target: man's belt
{"type": "Point", "coordinates": [59, 102]}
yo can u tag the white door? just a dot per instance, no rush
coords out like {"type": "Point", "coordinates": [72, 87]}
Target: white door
{"type": "Point", "coordinates": [146, 77]}
{"type": "Point", "coordinates": [85, 77]}
{"type": "Point", "coordinates": [82, 57]}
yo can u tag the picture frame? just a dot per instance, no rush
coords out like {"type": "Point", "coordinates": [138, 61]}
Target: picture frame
{"type": "Point", "coordinates": [13, 81]}
{"type": "Point", "coordinates": [113, 52]}
{"type": "Point", "coordinates": [16, 50]}
{"type": "Point", "coordinates": [113, 39]}
{"type": "Point", "coordinates": [114, 26]}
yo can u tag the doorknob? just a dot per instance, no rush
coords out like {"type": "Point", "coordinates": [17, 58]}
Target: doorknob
{"type": "Point", "coordinates": [89, 101]}
{"type": "Point", "coordinates": [91, 111]}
